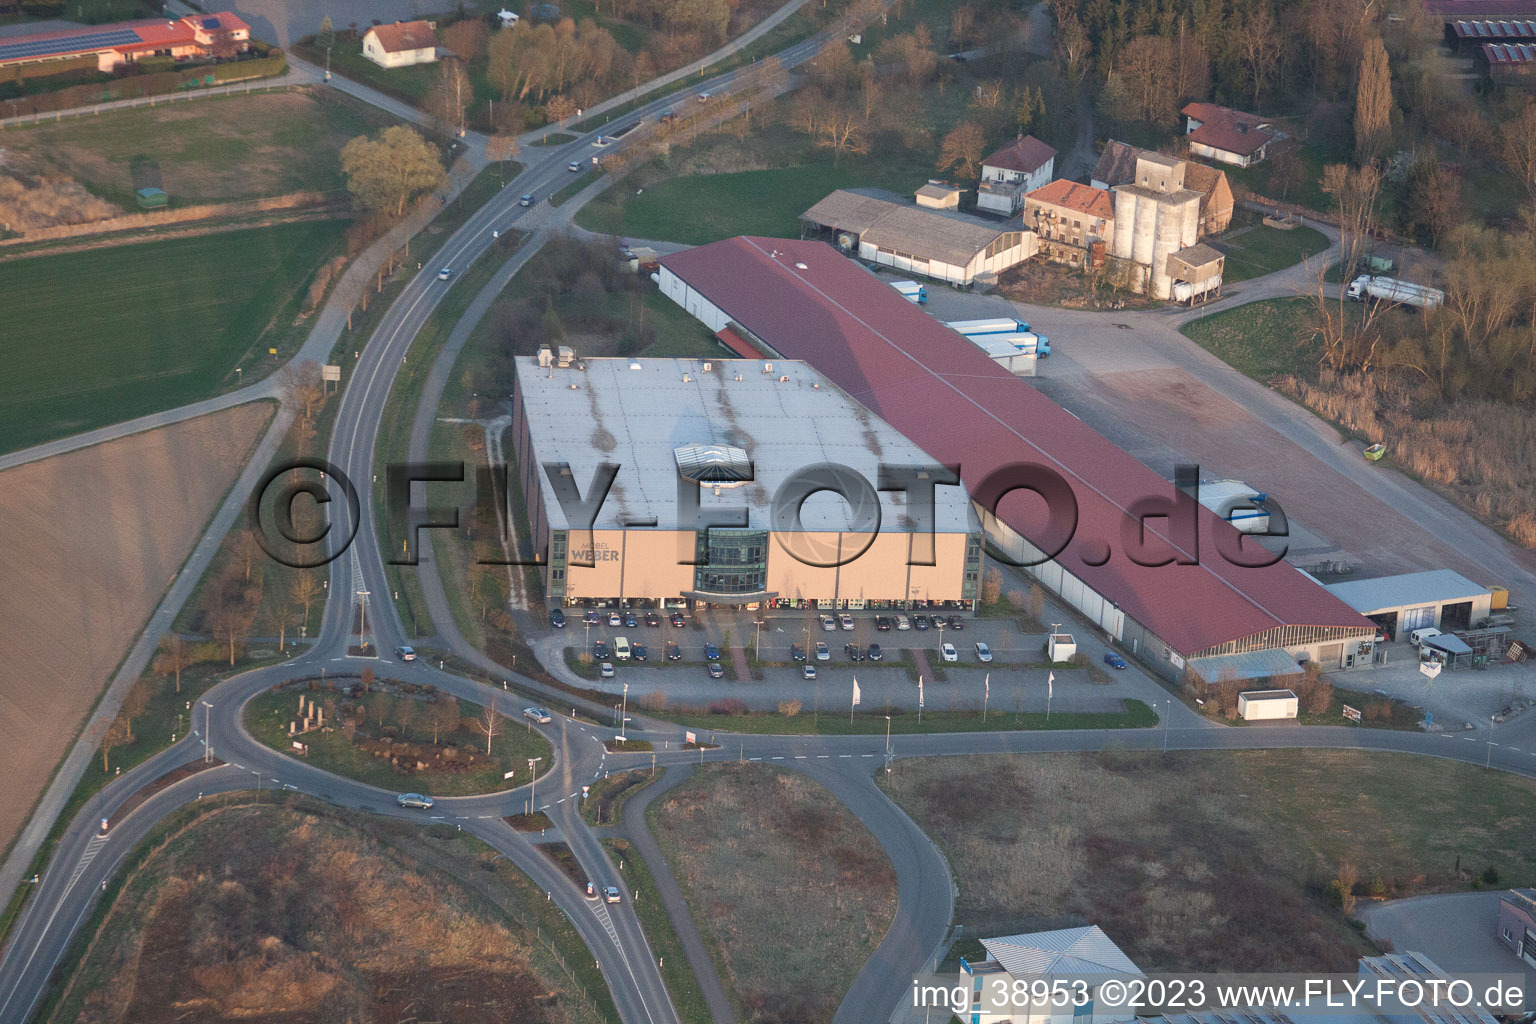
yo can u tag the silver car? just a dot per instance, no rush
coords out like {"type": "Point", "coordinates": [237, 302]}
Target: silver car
{"type": "Point", "coordinates": [416, 800]}
{"type": "Point", "coordinates": [538, 715]}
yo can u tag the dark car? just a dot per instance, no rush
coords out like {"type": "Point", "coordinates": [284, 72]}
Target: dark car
{"type": "Point", "coordinates": [1114, 660]}
{"type": "Point", "coordinates": [875, 653]}
{"type": "Point", "coordinates": [652, 619]}
{"type": "Point", "coordinates": [716, 670]}
{"type": "Point", "coordinates": [630, 622]}
{"type": "Point", "coordinates": [712, 652]}
{"type": "Point", "coordinates": [557, 618]}
{"type": "Point", "coordinates": [674, 653]}
{"type": "Point", "coordinates": [796, 652]}
{"type": "Point", "coordinates": [637, 652]}
{"type": "Point", "coordinates": [600, 650]}
{"type": "Point", "coordinates": [882, 623]}
{"type": "Point", "coordinates": [920, 622]}
{"type": "Point", "coordinates": [956, 622]}
{"type": "Point", "coordinates": [854, 652]}
{"type": "Point", "coordinates": [678, 620]}
{"type": "Point", "coordinates": [592, 618]}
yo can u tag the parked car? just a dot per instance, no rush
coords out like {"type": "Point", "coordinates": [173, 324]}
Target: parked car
{"type": "Point", "coordinates": [574, 166]}
{"type": "Point", "coordinates": [652, 619]}
{"type": "Point", "coordinates": [605, 670]}
{"type": "Point", "coordinates": [445, 273]}
{"type": "Point", "coordinates": [854, 652]}
{"type": "Point", "coordinates": [712, 651]}
{"type": "Point", "coordinates": [920, 622]}
{"type": "Point", "coordinates": [948, 652]}
{"type": "Point", "coordinates": [1418, 636]}
{"type": "Point", "coordinates": [557, 618]}
{"type": "Point", "coordinates": [882, 623]}
{"type": "Point", "coordinates": [615, 619]}
{"type": "Point", "coordinates": [875, 653]}
{"type": "Point", "coordinates": [796, 652]}
{"type": "Point", "coordinates": [539, 715]}
{"type": "Point", "coordinates": [674, 653]}
{"type": "Point", "coordinates": [1114, 660]}
{"type": "Point", "coordinates": [416, 800]}
{"type": "Point", "coordinates": [405, 653]}
{"type": "Point", "coordinates": [808, 671]}
{"type": "Point", "coordinates": [828, 623]}
{"type": "Point", "coordinates": [630, 622]}
{"type": "Point", "coordinates": [527, 200]}
{"type": "Point", "coordinates": [845, 620]}
{"type": "Point", "coordinates": [600, 650]}
{"type": "Point", "coordinates": [822, 653]}
{"type": "Point", "coordinates": [983, 652]}
{"type": "Point", "coordinates": [592, 618]}
{"type": "Point", "coordinates": [638, 652]}
{"type": "Point", "coordinates": [611, 894]}
{"type": "Point", "coordinates": [716, 670]}
{"type": "Point", "coordinates": [956, 622]}
{"type": "Point", "coordinates": [902, 622]}
{"type": "Point", "coordinates": [678, 621]}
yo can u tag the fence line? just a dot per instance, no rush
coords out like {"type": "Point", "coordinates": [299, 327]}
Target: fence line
{"type": "Point", "coordinates": [96, 109]}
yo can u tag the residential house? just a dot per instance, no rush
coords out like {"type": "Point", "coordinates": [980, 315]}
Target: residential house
{"type": "Point", "coordinates": [401, 44]}
{"type": "Point", "coordinates": [1116, 166]}
{"type": "Point", "coordinates": [1018, 168]}
{"type": "Point", "coordinates": [1155, 217]}
{"type": "Point", "coordinates": [507, 18]}
{"type": "Point", "coordinates": [220, 34]}
{"type": "Point", "coordinates": [881, 227]}
{"type": "Point", "coordinates": [1227, 136]}
{"type": "Point", "coordinates": [1069, 218]}
{"type": "Point", "coordinates": [1069, 956]}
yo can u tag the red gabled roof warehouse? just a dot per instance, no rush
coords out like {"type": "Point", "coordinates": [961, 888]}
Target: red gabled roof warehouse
{"type": "Point", "coordinates": [805, 301]}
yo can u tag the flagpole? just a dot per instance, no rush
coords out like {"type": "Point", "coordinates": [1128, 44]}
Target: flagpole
{"type": "Point", "coordinates": [919, 700]}
{"type": "Point", "coordinates": [1050, 690]}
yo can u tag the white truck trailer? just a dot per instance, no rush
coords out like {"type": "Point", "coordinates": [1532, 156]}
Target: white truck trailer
{"type": "Point", "coordinates": [1002, 326]}
{"type": "Point", "coordinates": [1394, 289]}
{"type": "Point", "coordinates": [911, 291]}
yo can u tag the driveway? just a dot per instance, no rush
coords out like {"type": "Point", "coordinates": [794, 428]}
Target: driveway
{"type": "Point", "coordinates": [1458, 931]}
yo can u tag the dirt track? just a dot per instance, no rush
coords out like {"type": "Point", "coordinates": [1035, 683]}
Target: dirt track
{"type": "Point", "coordinates": [92, 540]}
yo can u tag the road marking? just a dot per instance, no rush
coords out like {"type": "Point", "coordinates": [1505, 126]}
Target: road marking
{"type": "Point", "coordinates": [777, 757]}
{"type": "Point", "coordinates": [483, 817]}
{"type": "Point", "coordinates": [844, 755]}
{"type": "Point", "coordinates": [1469, 739]}
{"type": "Point", "coordinates": [866, 755]}
{"type": "Point", "coordinates": [799, 757]}
{"type": "Point", "coordinates": [754, 759]}
{"type": "Point", "coordinates": [91, 849]}
{"type": "Point", "coordinates": [822, 757]}
{"type": "Point", "coordinates": [562, 800]}
{"type": "Point", "coordinates": [1515, 749]}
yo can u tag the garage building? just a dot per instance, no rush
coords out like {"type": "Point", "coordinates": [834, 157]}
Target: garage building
{"type": "Point", "coordinates": [734, 430]}
{"type": "Point", "coordinates": [1166, 604]}
{"type": "Point", "coordinates": [1441, 598]}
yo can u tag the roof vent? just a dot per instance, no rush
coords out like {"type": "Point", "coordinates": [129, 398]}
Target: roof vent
{"type": "Point", "coordinates": [687, 379]}
{"type": "Point", "coordinates": [801, 266]}
{"type": "Point", "coordinates": [738, 376]}
{"type": "Point", "coordinates": [708, 367]}
{"type": "Point", "coordinates": [815, 387]}
{"type": "Point", "coordinates": [634, 364]}
{"type": "Point", "coordinates": [783, 380]}
{"type": "Point", "coordinates": [767, 367]}
{"type": "Point", "coordinates": [571, 386]}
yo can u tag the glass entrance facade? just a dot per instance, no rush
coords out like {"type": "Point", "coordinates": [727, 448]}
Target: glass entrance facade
{"type": "Point", "coordinates": [735, 562]}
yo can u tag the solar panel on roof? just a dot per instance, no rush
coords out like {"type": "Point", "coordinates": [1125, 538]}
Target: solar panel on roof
{"type": "Point", "coordinates": [210, 23]}
{"type": "Point", "coordinates": [68, 44]}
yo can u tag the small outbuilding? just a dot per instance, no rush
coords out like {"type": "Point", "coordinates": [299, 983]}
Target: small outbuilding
{"type": "Point", "coordinates": [1266, 705]}
{"type": "Point", "coordinates": [1441, 598]}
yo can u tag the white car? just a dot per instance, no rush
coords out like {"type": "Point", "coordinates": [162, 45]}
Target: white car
{"type": "Point", "coordinates": [445, 273]}
{"type": "Point", "coordinates": [902, 622]}
{"type": "Point", "coordinates": [983, 652]}
{"type": "Point", "coordinates": [846, 621]}
{"type": "Point", "coordinates": [574, 167]}
{"type": "Point", "coordinates": [822, 653]}
{"type": "Point", "coordinates": [948, 653]}
{"type": "Point", "coordinates": [537, 715]}
{"type": "Point", "coordinates": [828, 623]}
{"type": "Point", "coordinates": [611, 894]}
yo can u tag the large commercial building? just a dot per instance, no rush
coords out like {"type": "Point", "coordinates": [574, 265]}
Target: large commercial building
{"type": "Point", "coordinates": [1167, 593]}
{"type": "Point", "coordinates": [1441, 598]}
{"type": "Point", "coordinates": [737, 434]}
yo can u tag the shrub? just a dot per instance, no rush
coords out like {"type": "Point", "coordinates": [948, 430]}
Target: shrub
{"type": "Point", "coordinates": [789, 708]}
{"type": "Point", "coordinates": [1491, 875]}
{"type": "Point", "coordinates": [729, 706]}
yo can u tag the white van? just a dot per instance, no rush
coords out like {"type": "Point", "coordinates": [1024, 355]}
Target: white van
{"type": "Point", "coordinates": [1418, 636]}
{"type": "Point", "coordinates": [621, 648]}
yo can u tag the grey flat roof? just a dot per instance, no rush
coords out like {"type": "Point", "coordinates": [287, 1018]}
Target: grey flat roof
{"type": "Point", "coordinates": [639, 417]}
{"type": "Point", "coordinates": [1263, 664]}
{"type": "Point", "coordinates": [1405, 591]}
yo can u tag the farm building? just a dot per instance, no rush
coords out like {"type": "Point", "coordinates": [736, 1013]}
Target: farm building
{"type": "Point", "coordinates": [739, 431]}
{"type": "Point", "coordinates": [401, 44]}
{"type": "Point", "coordinates": [220, 34]}
{"type": "Point", "coordinates": [1061, 957]}
{"type": "Point", "coordinates": [939, 195]}
{"type": "Point", "coordinates": [1225, 135]}
{"type": "Point", "coordinates": [1509, 64]}
{"type": "Point", "coordinates": [1069, 218]}
{"type": "Point", "coordinates": [1452, 10]}
{"type": "Point", "coordinates": [800, 300]}
{"type": "Point", "coordinates": [1195, 272]}
{"type": "Point", "coordinates": [1018, 168]}
{"type": "Point", "coordinates": [1117, 166]}
{"type": "Point", "coordinates": [1266, 705]}
{"type": "Point", "coordinates": [942, 244]}
{"type": "Point", "coordinates": [1466, 36]}
{"type": "Point", "coordinates": [1155, 217]}
{"type": "Point", "coordinates": [1441, 598]}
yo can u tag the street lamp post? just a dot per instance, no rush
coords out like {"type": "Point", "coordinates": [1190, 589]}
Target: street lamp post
{"type": "Point", "coordinates": [207, 717]}
{"type": "Point", "coordinates": [533, 780]}
{"type": "Point", "coordinates": [1167, 716]}
{"type": "Point", "coordinates": [362, 627]}
{"type": "Point", "coordinates": [624, 713]}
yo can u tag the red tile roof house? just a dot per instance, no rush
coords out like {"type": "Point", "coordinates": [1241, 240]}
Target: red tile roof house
{"type": "Point", "coordinates": [401, 44]}
{"type": "Point", "coordinates": [1069, 218]}
{"type": "Point", "coordinates": [199, 35]}
{"type": "Point", "coordinates": [1226, 135]}
{"type": "Point", "coordinates": [1019, 167]}
{"type": "Point", "coordinates": [802, 300]}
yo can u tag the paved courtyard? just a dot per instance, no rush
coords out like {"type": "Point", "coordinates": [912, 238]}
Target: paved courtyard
{"type": "Point", "coordinates": [1455, 930]}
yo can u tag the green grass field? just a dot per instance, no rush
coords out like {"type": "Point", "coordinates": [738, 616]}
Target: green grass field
{"type": "Point", "coordinates": [1259, 250]}
{"type": "Point", "coordinates": [1263, 339]}
{"type": "Point", "coordinates": [836, 723]}
{"type": "Point", "coordinates": [99, 337]}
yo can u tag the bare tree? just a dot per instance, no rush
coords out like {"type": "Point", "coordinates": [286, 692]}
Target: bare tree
{"type": "Point", "coordinates": [1520, 146]}
{"type": "Point", "coordinates": [303, 388]}
{"type": "Point", "coordinates": [962, 150]}
{"type": "Point", "coordinates": [1354, 192]}
{"type": "Point", "coordinates": [451, 94]}
{"type": "Point", "coordinates": [135, 703]}
{"type": "Point", "coordinates": [444, 716]}
{"type": "Point", "coordinates": [175, 656]}
{"type": "Point", "coordinates": [488, 723]}
{"type": "Point", "coordinates": [1072, 47]}
{"type": "Point", "coordinates": [115, 735]}
{"type": "Point", "coordinates": [304, 591]}
{"type": "Point", "coordinates": [407, 712]}
{"type": "Point", "coordinates": [1373, 103]}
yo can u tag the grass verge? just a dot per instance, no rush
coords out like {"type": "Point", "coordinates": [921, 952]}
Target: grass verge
{"type": "Point", "coordinates": [682, 985]}
{"type": "Point", "coordinates": [1137, 715]}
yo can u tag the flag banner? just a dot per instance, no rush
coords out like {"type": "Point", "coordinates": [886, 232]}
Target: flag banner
{"type": "Point", "coordinates": [987, 687]}
{"type": "Point", "coordinates": [855, 693]}
{"type": "Point", "coordinates": [1050, 684]}
{"type": "Point", "coordinates": [919, 691]}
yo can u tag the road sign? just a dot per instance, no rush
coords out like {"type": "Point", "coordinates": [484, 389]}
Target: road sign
{"type": "Point", "coordinates": [1353, 714]}
{"type": "Point", "coordinates": [330, 373]}
{"type": "Point", "coordinates": [508, 775]}
{"type": "Point", "coordinates": [689, 737]}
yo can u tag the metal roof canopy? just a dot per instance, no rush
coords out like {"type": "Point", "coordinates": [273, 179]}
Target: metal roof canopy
{"type": "Point", "coordinates": [70, 43]}
{"type": "Point", "coordinates": [1384, 593]}
{"type": "Point", "coordinates": [1448, 643]}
